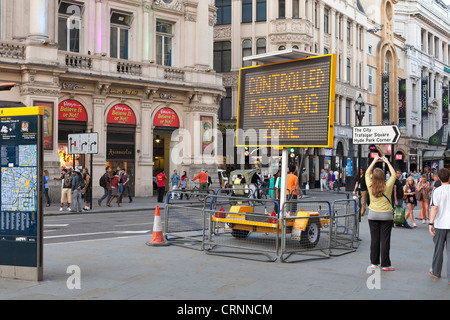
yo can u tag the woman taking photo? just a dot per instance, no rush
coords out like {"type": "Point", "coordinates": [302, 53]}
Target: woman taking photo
{"type": "Point", "coordinates": [381, 213]}
{"type": "Point", "coordinates": [409, 191]}
{"type": "Point", "coordinates": [424, 189]}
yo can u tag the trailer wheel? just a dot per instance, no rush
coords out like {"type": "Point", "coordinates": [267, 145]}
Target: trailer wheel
{"type": "Point", "coordinates": [240, 234]}
{"type": "Point", "coordinates": [310, 237]}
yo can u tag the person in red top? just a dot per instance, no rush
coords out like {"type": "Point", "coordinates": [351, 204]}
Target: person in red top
{"type": "Point", "coordinates": [161, 183]}
{"type": "Point", "coordinates": [114, 189]}
{"type": "Point", "coordinates": [202, 179]}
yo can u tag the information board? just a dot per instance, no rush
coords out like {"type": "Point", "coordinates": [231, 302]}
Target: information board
{"type": "Point", "coordinates": [20, 188]}
{"type": "Point", "coordinates": [294, 97]}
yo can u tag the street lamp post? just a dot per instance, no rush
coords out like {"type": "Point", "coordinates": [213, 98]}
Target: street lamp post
{"type": "Point", "coordinates": [360, 110]}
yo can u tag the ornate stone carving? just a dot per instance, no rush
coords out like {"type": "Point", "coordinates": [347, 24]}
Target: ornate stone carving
{"type": "Point", "coordinates": [173, 5]}
{"type": "Point", "coordinates": [222, 33]}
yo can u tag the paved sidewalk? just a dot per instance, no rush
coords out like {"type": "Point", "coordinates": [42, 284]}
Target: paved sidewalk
{"type": "Point", "coordinates": [143, 203]}
{"type": "Point", "coordinates": [126, 268]}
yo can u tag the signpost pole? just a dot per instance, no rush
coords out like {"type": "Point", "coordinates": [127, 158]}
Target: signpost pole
{"type": "Point", "coordinates": [284, 164]}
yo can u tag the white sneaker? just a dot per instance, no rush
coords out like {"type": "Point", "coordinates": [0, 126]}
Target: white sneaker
{"type": "Point", "coordinates": [61, 209]}
{"type": "Point", "coordinates": [69, 209]}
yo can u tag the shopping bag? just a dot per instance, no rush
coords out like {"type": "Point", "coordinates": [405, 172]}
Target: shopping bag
{"type": "Point", "coordinates": [399, 215]}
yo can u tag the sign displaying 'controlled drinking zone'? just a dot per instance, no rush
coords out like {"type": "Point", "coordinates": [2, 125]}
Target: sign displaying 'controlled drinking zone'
{"type": "Point", "coordinates": [289, 103]}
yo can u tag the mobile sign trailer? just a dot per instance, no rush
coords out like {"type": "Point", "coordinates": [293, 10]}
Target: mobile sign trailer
{"type": "Point", "coordinates": [287, 104]}
{"type": "Point", "coordinates": [21, 186]}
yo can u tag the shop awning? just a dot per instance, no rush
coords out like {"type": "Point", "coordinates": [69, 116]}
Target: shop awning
{"type": "Point", "coordinates": [447, 154]}
{"type": "Point", "coordinates": [433, 155]}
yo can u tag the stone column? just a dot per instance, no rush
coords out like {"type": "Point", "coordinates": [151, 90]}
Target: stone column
{"type": "Point", "coordinates": [38, 20]}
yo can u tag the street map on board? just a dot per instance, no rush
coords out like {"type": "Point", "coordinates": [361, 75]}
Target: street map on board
{"type": "Point", "coordinates": [18, 184]}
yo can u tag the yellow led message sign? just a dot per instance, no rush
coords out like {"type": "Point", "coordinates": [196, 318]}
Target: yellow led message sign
{"type": "Point", "coordinates": [290, 104]}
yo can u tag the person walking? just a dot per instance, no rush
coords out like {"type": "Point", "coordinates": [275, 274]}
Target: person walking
{"type": "Point", "coordinates": [436, 182]}
{"type": "Point", "coordinates": [361, 186]}
{"type": "Point", "coordinates": [304, 180]}
{"type": "Point", "coordinates": [202, 178]}
{"type": "Point", "coordinates": [66, 191]}
{"type": "Point", "coordinates": [409, 194]}
{"type": "Point", "coordinates": [46, 179]}
{"type": "Point", "coordinates": [161, 183]}
{"type": "Point", "coordinates": [424, 189]}
{"type": "Point", "coordinates": [294, 190]}
{"type": "Point", "coordinates": [175, 180]}
{"type": "Point", "coordinates": [77, 185]}
{"type": "Point", "coordinates": [125, 181]}
{"type": "Point", "coordinates": [114, 189]}
{"type": "Point", "coordinates": [439, 225]}
{"type": "Point", "coordinates": [87, 190]}
{"type": "Point", "coordinates": [323, 180]}
{"type": "Point", "coordinates": [381, 213]}
{"type": "Point", "coordinates": [104, 182]}
{"type": "Point", "coordinates": [183, 184]}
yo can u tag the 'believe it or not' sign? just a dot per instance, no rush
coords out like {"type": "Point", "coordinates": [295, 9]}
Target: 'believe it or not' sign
{"type": "Point", "coordinates": [289, 103]}
{"type": "Point", "coordinates": [376, 135]}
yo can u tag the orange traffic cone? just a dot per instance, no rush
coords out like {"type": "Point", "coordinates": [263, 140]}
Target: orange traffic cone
{"type": "Point", "coordinates": [157, 236]}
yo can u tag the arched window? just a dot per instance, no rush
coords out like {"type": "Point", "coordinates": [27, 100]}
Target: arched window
{"type": "Point", "coordinates": [260, 46]}
{"type": "Point", "coordinates": [246, 51]}
{"type": "Point", "coordinates": [386, 63]}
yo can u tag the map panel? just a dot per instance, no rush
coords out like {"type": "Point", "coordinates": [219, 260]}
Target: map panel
{"type": "Point", "coordinates": [18, 189]}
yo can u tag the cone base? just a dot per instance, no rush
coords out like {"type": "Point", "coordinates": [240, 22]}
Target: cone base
{"type": "Point", "coordinates": [163, 244]}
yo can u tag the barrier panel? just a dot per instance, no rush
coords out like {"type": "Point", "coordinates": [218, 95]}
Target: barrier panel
{"type": "Point", "coordinates": [183, 219]}
{"type": "Point", "coordinates": [245, 231]}
{"type": "Point", "coordinates": [345, 226]}
{"type": "Point", "coordinates": [306, 230]}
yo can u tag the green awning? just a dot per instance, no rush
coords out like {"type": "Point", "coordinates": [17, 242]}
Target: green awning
{"type": "Point", "coordinates": [433, 155]}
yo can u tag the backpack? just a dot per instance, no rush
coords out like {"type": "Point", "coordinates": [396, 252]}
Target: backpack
{"type": "Point", "coordinates": [102, 181]}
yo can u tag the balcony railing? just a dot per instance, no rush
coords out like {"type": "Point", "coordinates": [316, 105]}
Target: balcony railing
{"type": "Point", "coordinates": [12, 50]}
{"type": "Point", "coordinates": [78, 61]}
{"type": "Point", "coordinates": [173, 74]}
{"type": "Point", "coordinates": [129, 68]}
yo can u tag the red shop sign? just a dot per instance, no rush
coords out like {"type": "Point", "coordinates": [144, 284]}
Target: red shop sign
{"type": "Point", "coordinates": [71, 110]}
{"type": "Point", "coordinates": [166, 117]}
{"type": "Point", "coordinates": [121, 114]}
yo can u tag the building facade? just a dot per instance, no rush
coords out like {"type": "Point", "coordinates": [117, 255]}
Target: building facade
{"type": "Point", "coordinates": [425, 26]}
{"type": "Point", "coordinates": [386, 78]}
{"type": "Point", "coordinates": [138, 73]}
{"type": "Point", "coordinates": [251, 27]}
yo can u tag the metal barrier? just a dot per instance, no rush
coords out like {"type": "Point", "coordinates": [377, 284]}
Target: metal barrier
{"type": "Point", "coordinates": [183, 219]}
{"type": "Point", "coordinates": [251, 228]}
{"type": "Point", "coordinates": [306, 230]}
{"type": "Point", "coordinates": [345, 226]}
{"type": "Point", "coordinates": [244, 231]}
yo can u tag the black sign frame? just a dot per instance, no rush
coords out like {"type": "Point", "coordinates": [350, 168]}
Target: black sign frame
{"type": "Point", "coordinates": [21, 226]}
{"type": "Point", "coordinates": [297, 97]}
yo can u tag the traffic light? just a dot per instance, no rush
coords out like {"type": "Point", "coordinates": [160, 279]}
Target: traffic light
{"type": "Point", "coordinates": [247, 158]}
{"type": "Point", "coordinates": [292, 155]}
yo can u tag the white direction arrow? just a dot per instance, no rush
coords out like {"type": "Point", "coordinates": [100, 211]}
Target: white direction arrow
{"type": "Point", "coordinates": [376, 135]}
